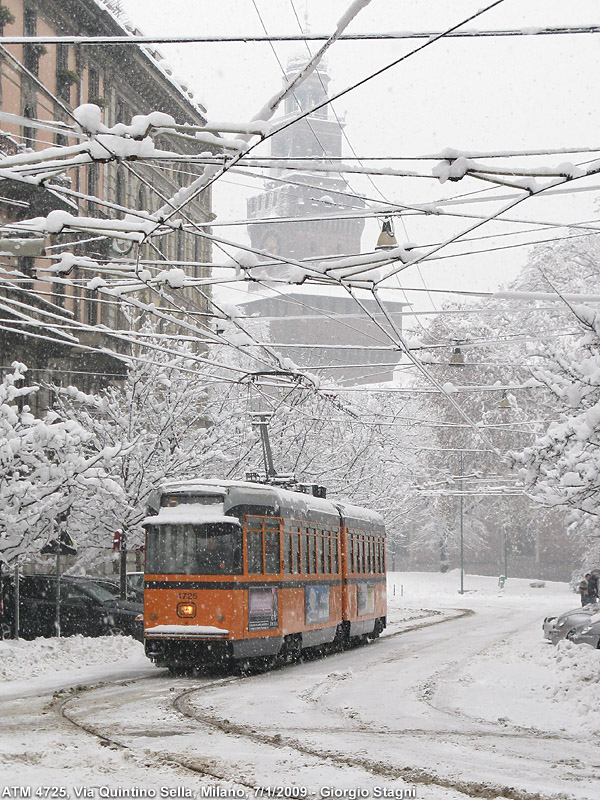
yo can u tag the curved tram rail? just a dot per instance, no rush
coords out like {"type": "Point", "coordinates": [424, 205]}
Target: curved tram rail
{"type": "Point", "coordinates": [182, 703]}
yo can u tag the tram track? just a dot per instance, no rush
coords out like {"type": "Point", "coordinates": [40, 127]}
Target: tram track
{"type": "Point", "coordinates": [381, 769]}
{"type": "Point", "coordinates": [295, 739]}
{"type": "Point", "coordinates": [61, 704]}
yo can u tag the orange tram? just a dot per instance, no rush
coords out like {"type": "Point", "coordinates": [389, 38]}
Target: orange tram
{"type": "Point", "coordinates": [243, 571]}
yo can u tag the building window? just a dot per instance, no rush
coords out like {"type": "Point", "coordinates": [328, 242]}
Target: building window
{"type": "Point", "coordinates": [121, 111]}
{"type": "Point", "coordinates": [141, 199]}
{"type": "Point", "coordinates": [31, 50]}
{"type": "Point", "coordinates": [27, 266]}
{"type": "Point", "coordinates": [93, 85]}
{"type": "Point", "coordinates": [91, 308]}
{"type": "Point", "coordinates": [63, 83]}
{"type": "Point", "coordinates": [29, 132]}
{"type": "Point", "coordinates": [120, 192]}
{"type": "Point", "coordinates": [197, 256]}
{"type": "Point", "coordinates": [92, 184]}
{"type": "Point", "coordinates": [58, 294]}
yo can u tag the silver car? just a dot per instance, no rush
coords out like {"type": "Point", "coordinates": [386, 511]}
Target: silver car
{"type": "Point", "coordinates": [565, 626]}
{"type": "Point", "coordinates": [589, 633]}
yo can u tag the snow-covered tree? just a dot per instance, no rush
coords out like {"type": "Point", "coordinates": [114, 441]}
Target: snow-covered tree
{"type": "Point", "coordinates": [166, 422]}
{"type": "Point", "coordinates": [43, 467]}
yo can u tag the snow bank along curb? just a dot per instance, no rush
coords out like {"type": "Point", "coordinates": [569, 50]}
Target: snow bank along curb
{"type": "Point", "coordinates": [21, 659]}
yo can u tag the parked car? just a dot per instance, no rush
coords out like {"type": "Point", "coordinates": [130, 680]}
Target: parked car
{"type": "Point", "coordinates": [565, 625]}
{"type": "Point", "coordinates": [135, 586]}
{"type": "Point", "coordinates": [589, 633]}
{"type": "Point", "coordinates": [88, 607]}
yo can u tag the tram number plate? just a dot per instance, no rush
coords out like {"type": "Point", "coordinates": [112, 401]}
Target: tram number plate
{"type": "Point", "coordinates": [187, 595]}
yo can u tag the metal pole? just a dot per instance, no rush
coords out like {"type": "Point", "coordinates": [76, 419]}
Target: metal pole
{"type": "Point", "coordinates": [267, 453]}
{"type": "Point", "coordinates": [462, 544]}
{"type": "Point", "coordinates": [123, 566]}
{"type": "Point", "coordinates": [505, 554]}
{"type": "Point", "coordinates": [17, 593]}
{"type": "Point", "coordinates": [57, 620]}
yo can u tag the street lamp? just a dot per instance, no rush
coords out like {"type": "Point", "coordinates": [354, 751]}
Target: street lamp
{"type": "Point", "coordinates": [386, 240]}
{"type": "Point", "coordinates": [457, 358]}
{"type": "Point", "coordinates": [504, 401]}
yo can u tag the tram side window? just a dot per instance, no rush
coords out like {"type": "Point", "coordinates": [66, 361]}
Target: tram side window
{"type": "Point", "coordinates": [334, 554]}
{"type": "Point", "coordinates": [377, 556]}
{"type": "Point", "coordinates": [287, 552]}
{"type": "Point", "coordinates": [272, 552]}
{"type": "Point", "coordinates": [350, 540]}
{"type": "Point", "coordinates": [311, 554]}
{"type": "Point", "coordinates": [371, 555]}
{"type": "Point", "coordinates": [361, 554]}
{"type": "Point", "coordinates": [320, 552]}
{"type": "Point", "coordinates": [296, 553]}
{"type": "Point", "coordinates": [255, 552]}
{"type": "Point", "coordinates": [327, 553]}
{"type": "Point", "coordinates": [305, 554]}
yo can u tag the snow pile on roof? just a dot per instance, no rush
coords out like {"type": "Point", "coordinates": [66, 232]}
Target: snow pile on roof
{"type": "Point", "coordinates": [116, 11]}
{"type": "Point", "coordinates": [47, 656]}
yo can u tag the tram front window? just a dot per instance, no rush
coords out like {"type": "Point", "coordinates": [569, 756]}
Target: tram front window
{"type": "Point", "coordinates": [210, 549]}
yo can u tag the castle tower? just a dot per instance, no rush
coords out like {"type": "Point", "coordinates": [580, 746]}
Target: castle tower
{"type": "Point", "coordinates": [306, 193]}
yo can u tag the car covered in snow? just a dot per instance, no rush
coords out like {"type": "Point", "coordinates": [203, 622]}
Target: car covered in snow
{"type": "Point", "coordinates": [589, 633]}
{"type": "Point", "coordinates": [566, 625]}
{"type": "Point", "coordinates": [88, 607]}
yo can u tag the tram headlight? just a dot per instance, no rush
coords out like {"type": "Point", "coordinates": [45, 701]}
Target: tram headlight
{"type": "Point", "coordinates": [186, 609]}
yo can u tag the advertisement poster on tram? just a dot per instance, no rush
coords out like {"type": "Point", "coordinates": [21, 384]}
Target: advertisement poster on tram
{"type": "Point", "coordinates": [263, 608]}
{"type": "Point", "coordinates": [365, 598]}
{"type": "Point", "coordinates": [316, 604]}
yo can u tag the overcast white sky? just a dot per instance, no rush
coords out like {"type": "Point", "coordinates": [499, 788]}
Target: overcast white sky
{"type": "Point", "coordinates": [483, 94]}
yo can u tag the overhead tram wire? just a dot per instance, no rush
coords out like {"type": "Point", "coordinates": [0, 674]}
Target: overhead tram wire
{"type": "Point", "coordinates": [526, 195]}
{"type": "Point", "coordinates": [345, 135]}
{"type": "Point", "coordinates": [296, 119]}
{"type": "Point", "coordinates": [136, 39]}
{"type": "Point", "coordinates": [342, 128]}
{"type": "Point", "coordinates": [129, 168]}
{"type": "Point", "coordinates": [283, 72]}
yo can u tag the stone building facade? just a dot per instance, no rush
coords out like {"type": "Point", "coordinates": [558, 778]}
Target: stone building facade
{"type": "Point", "coordinates": [122, 81]}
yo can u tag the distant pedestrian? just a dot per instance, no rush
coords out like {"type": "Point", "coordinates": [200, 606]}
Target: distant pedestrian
{"type": "Point", "coordinates": [593, 586]}
{"type": "Point", "coordinates": [584, 590]}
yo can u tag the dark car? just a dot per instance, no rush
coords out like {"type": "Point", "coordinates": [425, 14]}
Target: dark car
{"type": "Point", "coordinates": [87, 607]}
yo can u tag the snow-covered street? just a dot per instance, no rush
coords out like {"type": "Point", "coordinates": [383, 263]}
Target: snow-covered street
{"type": "Point", "coordinates": [477, 705]}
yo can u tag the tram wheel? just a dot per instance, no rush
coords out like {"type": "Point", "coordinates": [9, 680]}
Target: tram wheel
{"type": "Point", "coordinates": [292, 649]}
{"type": "Point", "coordinates": [179, 671]}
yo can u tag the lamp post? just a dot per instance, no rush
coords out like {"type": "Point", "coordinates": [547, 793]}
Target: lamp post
{"type": "Point", "coordinates": [462, 541]}
{"type": "Point", "coordinates": [457, 359]}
